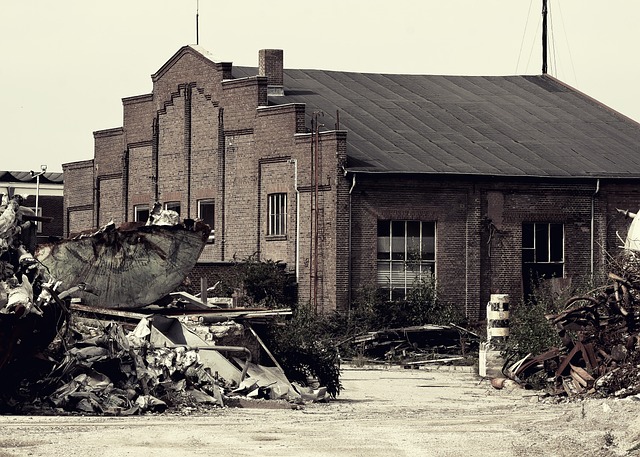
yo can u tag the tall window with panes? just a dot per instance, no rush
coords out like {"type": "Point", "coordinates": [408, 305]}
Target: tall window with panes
{"type": "Point", "coordinates": [542, 253]}
{"type": "Point", "coordinates": [277, 214]}
{"type": "Point", "coordinates": [406, 255]}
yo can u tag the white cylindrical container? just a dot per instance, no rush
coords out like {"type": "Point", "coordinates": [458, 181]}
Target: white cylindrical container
{"type": "Point", "coordinates": [498, 319]}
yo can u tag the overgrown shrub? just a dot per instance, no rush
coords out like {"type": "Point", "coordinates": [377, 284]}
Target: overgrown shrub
{"type": "Point", "coordinates": [267, 284]}
{"type": "Point", "coordinates": [260, 283]}
{"type": "Point", "coordinates": [305, 348]}
{"type": "Point", "coordinates": [422, 306]}
{"type": "Point", "coordinates": [529, 329]}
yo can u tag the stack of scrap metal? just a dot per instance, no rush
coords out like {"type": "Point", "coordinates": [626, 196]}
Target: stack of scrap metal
{"type": "Point", "coordinates": [416, 344]}
{"type": "Point", "coordinates": [32, 310]}
{"type": "Point", "coordinates": [600, 334]}
{"type": "Point", "coordinates": [161, 365]}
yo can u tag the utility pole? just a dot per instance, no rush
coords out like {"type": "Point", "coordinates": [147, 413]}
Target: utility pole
{"type": "Point", "coordinates": [197, 25]}
{"type": "Point", "coordinates": [544, 37]}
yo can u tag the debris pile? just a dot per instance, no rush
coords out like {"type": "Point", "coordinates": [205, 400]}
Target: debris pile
{"type": "Point", "coordinates": [32, 309]}
{"type": "Point", "coordinates": [159, 366]}
{"type": "Point", "coordinates": [54, 360]}
{"type": "Point", "coordinates": [107, 374]}
{"type": "Point", "coordinates": [600, 334]}
{"type": "Point", "coordinates": [416, 345]}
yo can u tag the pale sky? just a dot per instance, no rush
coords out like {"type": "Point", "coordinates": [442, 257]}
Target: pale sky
{"type": "Point", "coordinates": [67, 64]}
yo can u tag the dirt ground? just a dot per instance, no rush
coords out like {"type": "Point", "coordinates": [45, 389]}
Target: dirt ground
{"type": "Point", "coordinates": [381, 412]}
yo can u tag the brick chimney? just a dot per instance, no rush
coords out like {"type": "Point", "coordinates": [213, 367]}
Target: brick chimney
{"type": "Point", "coordinates": [271, 64]}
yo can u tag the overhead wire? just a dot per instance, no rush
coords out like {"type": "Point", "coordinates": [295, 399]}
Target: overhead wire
{"type": "Point", "coordinates": [524, 33]}
{"type": "Point", "coordinates": [533, 44]}
{"type": "Point", "coordinates": [552, 44]}
{"type": "Point", "coordinates": [566, 39]}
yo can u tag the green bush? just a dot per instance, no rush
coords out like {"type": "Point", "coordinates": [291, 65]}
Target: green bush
{"type": "Point", "coordinates": [267, 284]}
{"type": "Point", "coordinates": [305, 348]}
{"type": "Point", "coordinates": [258, 283]}
{"type": "Point", "coordinates": [371, 311]}
{"type": "Point", "coordinates": [529, 330]}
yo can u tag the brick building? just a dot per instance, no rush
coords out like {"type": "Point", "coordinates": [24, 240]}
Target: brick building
{"type": "Point", "coordinates": [49, 192]}
{"type": "Point", "coordinates": [369, 180]}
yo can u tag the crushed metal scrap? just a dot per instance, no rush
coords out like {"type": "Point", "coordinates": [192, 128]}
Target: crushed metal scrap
{"type": "Point", "coordinates": [32, 307]}
{"type": "Point", "coordinates": [161, 365]}
{"type": "Point", "coordinates": [416, 345]}
{"type": "Point", "coordinates": [600, 334]}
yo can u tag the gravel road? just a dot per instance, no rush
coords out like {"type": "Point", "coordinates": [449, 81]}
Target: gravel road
{"type": "Point", "coordinates": [381, 412]}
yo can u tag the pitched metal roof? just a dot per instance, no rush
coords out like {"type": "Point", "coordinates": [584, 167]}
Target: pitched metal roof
{"type": "Point", "coordinates": [470, 125]}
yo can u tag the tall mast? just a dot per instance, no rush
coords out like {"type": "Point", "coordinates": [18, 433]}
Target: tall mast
{"type": "Point", "coordinates": [544, 37]}
{"type": "Point", "coordinates": [197, 17]}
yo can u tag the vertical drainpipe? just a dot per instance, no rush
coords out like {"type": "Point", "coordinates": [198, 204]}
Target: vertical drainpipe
{"type": "Point", "coordinates": [311, 171]}
{"type": "Point", "coordinates": [593, 224]}
{"type": "Point", "coordinates": [295, 184]}
{"type": "Point", "coordinates": [221, 175]}
{"type": "Point", "coordinates": [258, 218]}
{"type": "Point", "coordinates": [154, 157]}
{"type": "Point", "coordinates": [315, 235]}
{"type": "Point", "coordinates": [466, 260]}
{"type": "Point", "coordinates": [353, 185]}
{"type": "Point", "coordinates": [187, 143]}
{"type": "Point", "coordinates": [98, 182]}
{"type": "Point", "coordinates": [125, 184]}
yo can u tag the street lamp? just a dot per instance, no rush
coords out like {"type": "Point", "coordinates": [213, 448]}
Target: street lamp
{"type": "Point", "coordinates": [43, 169]}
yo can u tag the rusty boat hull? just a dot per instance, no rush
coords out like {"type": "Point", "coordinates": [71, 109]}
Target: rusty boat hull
{"type": "Point", "coordinates": [130, 266]}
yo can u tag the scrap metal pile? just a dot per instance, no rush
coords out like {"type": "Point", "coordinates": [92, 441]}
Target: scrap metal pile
{"type": "Point", "coordinates": [32, 308]}
{"type": "Point", "coordinates": [53, 362]}
{"type": "Point", "coordinates": [600, 334]}
{"type": "Point", "coordinates": [416, 345]}
{"type": "Point", "coordinates": [159, 366]}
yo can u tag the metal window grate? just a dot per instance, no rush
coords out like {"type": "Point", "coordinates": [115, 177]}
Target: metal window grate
{"type": "Point", "coordinates": [277, 214]}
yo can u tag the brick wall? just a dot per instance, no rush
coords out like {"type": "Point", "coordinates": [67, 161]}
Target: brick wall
{"type": "Point", "coordinates": [219, 140]}
{"type": "Point", "coordinates": [140, 179]}
{"type": "Point", "coordinates": [478, 230]}
{"type": "Point", "coordinates": [78, 214]}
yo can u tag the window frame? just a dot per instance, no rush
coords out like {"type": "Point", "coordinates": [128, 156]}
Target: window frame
{"type": "Point", "coordinates": [542, 253]}
{"type": "Point", "coordinates": [397, 269]}
{"type": "Point", "coordinates": [277, 214]}
{"type": "Point", "coordinates": [137, 210]}
{"type": "Point", "coordinates": [211, 201]}
{"type": "Point", "coordinates": [171, 205]}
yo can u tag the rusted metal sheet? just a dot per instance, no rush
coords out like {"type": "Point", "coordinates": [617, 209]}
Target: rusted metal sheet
{"type": "Point", "coordinates": [126, 267]}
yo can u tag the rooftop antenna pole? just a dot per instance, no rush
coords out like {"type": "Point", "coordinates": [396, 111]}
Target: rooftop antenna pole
{"type": "Point", "coordinates": [197, 14]}
{"type": "Point", "coordinates": [544, 37]}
